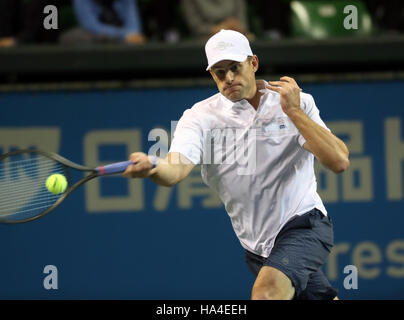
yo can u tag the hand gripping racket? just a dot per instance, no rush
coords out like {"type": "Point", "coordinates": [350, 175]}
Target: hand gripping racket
{"type": "Point", "coordinates": [23, 173]}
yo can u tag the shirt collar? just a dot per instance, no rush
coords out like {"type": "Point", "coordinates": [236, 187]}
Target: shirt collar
{"type": "Point", "coordinates": [242, 104]}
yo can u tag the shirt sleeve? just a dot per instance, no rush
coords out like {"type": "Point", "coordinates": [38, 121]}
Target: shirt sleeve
{"type": "Point", "coordinates": [310, 108]}
{"type": "Point", "coordinates": [188, 137]}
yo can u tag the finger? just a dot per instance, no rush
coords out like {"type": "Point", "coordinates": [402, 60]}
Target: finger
{"type": "Point", "coordinates": [134, 157]}
{"type": "Point", "coordinates": [286, 78]}
{"type": "Point", "coordinates": [277, 83]}
{"type": "Point", "coordinates": [136, 168]}
{"type": "Point", "coordinates": [135, 162]}
{"type": "Point", "coordinates": [276, 89]}
{"type": "Point", "coordinates": [128, 172]}
{"type": "Point", "coordinates": [290, 80]}
{"type": "Point", "coordinates": [129, 169]}
{"type": "Point", "coordinates": [142, 167]}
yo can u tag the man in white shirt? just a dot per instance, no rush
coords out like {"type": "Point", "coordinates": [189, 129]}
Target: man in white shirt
{"type": "Point", "coordinates": [256, 143]}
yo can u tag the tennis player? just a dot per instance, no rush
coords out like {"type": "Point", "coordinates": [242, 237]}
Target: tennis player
{"type": "Point", "coordinates": [270, 194]}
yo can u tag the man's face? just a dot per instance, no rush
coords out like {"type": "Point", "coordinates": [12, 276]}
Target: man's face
{"type": "Point", "coordinates": [236, 80]}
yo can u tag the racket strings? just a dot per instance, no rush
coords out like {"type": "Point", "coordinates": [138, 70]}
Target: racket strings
{"type": "Point", "coordinates": [22, 186]}
{"type": "Point", "coordinates": [36, 201]}
{"type": "Point", "coordinates": [32, 167]}
{"type": "Point", "coordinates": [18, 173]}
{"type": "Point", "coordinates": [33, 162]}
{"type": "Point", "coordinates": [26, 179]}
{"type": "Point", "coordinates": [25, 213]}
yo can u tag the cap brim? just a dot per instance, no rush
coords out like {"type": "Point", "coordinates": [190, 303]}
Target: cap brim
{"type": "Point", "coordinates": [233, 57]}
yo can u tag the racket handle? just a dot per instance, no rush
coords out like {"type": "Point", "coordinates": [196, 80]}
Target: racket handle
{"type": "Point", "coordinates": [113, 168]}
{"type": "Point", "coordinates": [120, 167]}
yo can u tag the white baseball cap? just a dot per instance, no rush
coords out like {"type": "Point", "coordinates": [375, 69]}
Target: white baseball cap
{"type": "Point", "coordinates": [227, 45]}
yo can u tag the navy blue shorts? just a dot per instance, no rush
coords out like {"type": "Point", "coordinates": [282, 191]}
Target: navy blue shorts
{"type": "Point", "coordinates": [300, 249]}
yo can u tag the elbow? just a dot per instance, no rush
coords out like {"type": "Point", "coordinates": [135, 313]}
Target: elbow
{"type": "Point", "coordinates": [165, 183]}
{"type": "Point", "coordinates": [170, 184]}
{"type": "Point", "coordinates": [341, 165]}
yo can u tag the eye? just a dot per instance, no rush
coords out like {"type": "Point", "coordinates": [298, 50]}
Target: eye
{"type": "Point", "coordinates": [235, 67]}
{"type": "Point", "coordinates": [220, 73]}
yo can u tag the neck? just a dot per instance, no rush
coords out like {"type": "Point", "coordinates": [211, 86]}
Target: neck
{"type": "Point", "coordinates": [255, 100]}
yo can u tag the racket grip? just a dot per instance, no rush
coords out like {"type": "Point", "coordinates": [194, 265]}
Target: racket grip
{"type": "Point", "coordinates": [113, 168]}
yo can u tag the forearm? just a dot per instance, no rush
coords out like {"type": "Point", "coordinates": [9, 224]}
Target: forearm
{"type": "Point", "coordinates": [326, 147]}
{"type": "Point", "coordinates": [165, 174]}
{"type": "Point", "coordinates": [171, 170]}
{"type": "Point", "coordinates": [329, 150]}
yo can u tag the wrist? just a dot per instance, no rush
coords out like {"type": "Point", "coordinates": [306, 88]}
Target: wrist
{"type": "Point", "coordinates": [154, 161]}
{"type": "Point", "coordinates": [295, 113]}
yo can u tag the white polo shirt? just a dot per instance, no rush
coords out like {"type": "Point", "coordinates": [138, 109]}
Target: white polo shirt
{"type": "Point", "coordinates": [254, 160]}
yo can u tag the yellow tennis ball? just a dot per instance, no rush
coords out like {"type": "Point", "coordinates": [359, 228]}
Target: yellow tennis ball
{"type": "Point", "coordinates": [56, 183]}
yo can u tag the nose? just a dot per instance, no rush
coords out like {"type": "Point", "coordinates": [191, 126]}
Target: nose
{"type": "Point", "coordinates": [229, 77]}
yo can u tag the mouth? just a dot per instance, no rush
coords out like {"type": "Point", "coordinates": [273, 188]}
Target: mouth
{"type": "Point", "coordinates": [231, 88]}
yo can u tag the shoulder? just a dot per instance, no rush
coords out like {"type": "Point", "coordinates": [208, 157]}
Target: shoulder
{"type": "Point", "coordinates": [207, 104]}
{"type": "Point", "coordinates": [306, 97]}
{"type": "Point", "coordinates": [202, 111]}
{"type": "Point", "coordinates": [307, 102]}
{"type": "Point", "coordinates": [205, 108]}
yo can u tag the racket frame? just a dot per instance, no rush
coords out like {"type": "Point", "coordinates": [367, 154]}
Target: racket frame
{"type": "Point", "coordinates": [67, 163]}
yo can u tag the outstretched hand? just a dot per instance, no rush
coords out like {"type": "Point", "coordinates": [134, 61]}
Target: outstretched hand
{"type": "Point", "coordinates": [289, 92]}
{"type": "Point", "coordinates": [142, 167]}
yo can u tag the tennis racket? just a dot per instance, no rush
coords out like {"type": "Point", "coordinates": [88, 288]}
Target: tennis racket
{"type": "Point", "coordinates": [23, 173]}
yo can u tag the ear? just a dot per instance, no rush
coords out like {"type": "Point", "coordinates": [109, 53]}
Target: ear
{"type": "Point", "coordinates": [255, 62]}
{"type": "Point", "coordinates": [212, 74]}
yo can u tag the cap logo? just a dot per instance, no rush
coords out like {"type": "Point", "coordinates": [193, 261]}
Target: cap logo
{"type": "Point", "coordinates": [223, 45]}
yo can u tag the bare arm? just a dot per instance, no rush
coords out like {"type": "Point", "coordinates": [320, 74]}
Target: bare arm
{"type": "Point", "coordinates": [168, 172]}
{"type": "Point", "coordinates": [329, 150]}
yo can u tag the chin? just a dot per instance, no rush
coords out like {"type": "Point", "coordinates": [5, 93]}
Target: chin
{"type": "Point", "coordinates": [234, 98]}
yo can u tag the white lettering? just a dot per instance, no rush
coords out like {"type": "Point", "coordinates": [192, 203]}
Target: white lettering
{"type": "Point", "coordinates": [351, 20]}
{"type": "Point", "coordinates": [51, 280]}
{"type": "Point", "coordinates": [351, 280]}
{"type": "Point", "coordinates": [51, 20]}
